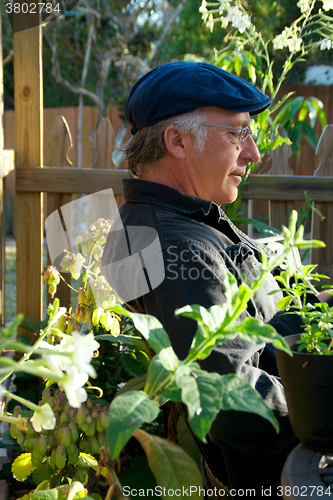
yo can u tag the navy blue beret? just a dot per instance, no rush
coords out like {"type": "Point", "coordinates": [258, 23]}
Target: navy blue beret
{"type": "Point", "coordinates": [182, 86]}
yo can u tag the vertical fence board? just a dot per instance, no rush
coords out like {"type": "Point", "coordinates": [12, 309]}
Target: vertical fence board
{"type": "Point", "coordinates": [279, 211]}
{"type": "Point", "coordinates": [29, 152]}
{"type": "Point", "coordinates": [322, 230]}
{"type": "Point", "coordinates": [60, 142]}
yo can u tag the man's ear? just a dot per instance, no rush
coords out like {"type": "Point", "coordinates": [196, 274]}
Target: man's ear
{"type": "Point", "coordinates": [173, 140]}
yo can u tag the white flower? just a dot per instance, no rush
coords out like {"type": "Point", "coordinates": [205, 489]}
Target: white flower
{"type": "Point", "coordinates": [210, 23]}
{"type": "Point", "coordinates": [224, 5]}
{"type": "Point", "coordinates": [327, 4]}
{"type": "Point", "coordinates": [73, 386]}
{"type": "Point", "coordinates": [243, 23]}
{"type": "Point", "coordinates": [204, 11]}
{"type": "Point", "coordinates": [81, 348]}
{"type": "Point", "coordinates": [43, 418]}
{"type": "Point", "coordinates": [303, 5]}
{"type": "Point", "coordinates": [224, 22]}
{"type": "Point", "coordinates": [74, 367]}
{"type": "Point", "coordinates": [326, 44]}
{"type": "Point", "coordinates": [234, 15]}
{"type": "Point", "coordinates": [294, 43]}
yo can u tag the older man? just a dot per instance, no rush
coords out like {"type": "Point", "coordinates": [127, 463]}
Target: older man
{"type": "Point", "coordinates": [189, 151]}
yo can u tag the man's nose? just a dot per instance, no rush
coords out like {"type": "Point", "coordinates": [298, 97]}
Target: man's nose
{"type": "Point", "coordinates": [250, 151]}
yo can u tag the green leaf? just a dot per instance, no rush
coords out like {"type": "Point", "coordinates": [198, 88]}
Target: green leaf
{"type": "Point", "coordinates": [210, 390]}
{"type": "Point", "coordinates": [134, 384]}
{"type": "Point", "coordinates": [154, 332]}
{"type": "Point", "coordinates": [127, 412]}
{"type": "Point", "coordinates": [46, 495]}
{"type": "Point", "coordinates": [239, 395]}
{"type": "Point", "coordinates": [294, 106]}
{"type": "Point", "coordinates": [157, 375]}
{"type": "Point", "coordinates": [171, 466]}
{"type": "Point", "coordinates": [255, 331]}
{"type": "Point", "coordinates": [283, 303]}
{"type": "Point", "coordinates": [22, 467]}
{"type": "Point", "coordinates": [42, 473]}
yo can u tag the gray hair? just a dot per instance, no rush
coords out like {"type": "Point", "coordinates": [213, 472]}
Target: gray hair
{"type": "Point", "coordinates": [147, 146]}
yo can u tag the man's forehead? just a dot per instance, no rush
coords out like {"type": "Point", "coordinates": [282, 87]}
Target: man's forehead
{"type": "Point", "coordinates": [240, 118]}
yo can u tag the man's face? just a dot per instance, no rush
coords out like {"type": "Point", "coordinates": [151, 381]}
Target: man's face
{"type": "Point", "coordinates": [217, 171]}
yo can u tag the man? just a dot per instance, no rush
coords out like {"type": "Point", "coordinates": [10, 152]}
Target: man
{"type": "Point", "coordinates": [190, 147]}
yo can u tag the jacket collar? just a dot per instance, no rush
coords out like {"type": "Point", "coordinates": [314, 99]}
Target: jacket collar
{"type": "Point", "coordinates": [139, 191]}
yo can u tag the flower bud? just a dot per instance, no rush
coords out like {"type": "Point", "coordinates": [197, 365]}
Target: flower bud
{"type": "Point", "coordinates": [102, 439]}
{"type": "Point", "coordinates": [38, 451]}
{"type": "Point", "coordinates": [29, 444]}
{"type": "Point", "coordinates": [51, 402]}
{"type": "Point", "coordinates": [74, 431]}
{"type": "Point", "coordinates": [87, 316]}
{"type": "Point", "coordinates": [84, 445]}
{"type": "Point", "coordinates": [96, 316]}
{"type": "Point", "coordinates": [14, 431]}
{"type": "Point", "coordinates": [70, 327]}
{"type": "Point", "coordinates": [73, 454]}
{"type": "Point", "coordinates": [52, 458]}
{"type": "Point", "coordinates": [94, 445]}
{"type": "Point", "coordinates": [115, 327]}
{"type": "Point", "coordinates": [60, 456]}
{"type": "Point", "coordinates": [64, 436]}
{"type": "Point", "coordinates": [82, 297]}
{"type": "Point", "coordinates": [89, 404]}
{"type": "Point", "coordinates": [20, 438]}
{"type": "Point", "coordinates": [46, 395]}
{"type": "Point", "coordinates": [89, 426]}
{"type": "Point", "coordinates": [81, 416]}
{"type": "Point", "coordinates": [64, 419]}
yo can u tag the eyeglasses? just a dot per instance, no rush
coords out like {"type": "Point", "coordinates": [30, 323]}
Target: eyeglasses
{"type": "Point", "coordinates": [244, 131]}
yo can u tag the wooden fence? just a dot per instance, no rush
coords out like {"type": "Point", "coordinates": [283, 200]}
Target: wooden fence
{"type": "Point", "coordinates": [280, 186]}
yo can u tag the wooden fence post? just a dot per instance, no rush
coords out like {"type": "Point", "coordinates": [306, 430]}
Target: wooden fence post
{"type": "Point", "coordinates": [60, 142]}
{"type": "Point", "coordinates": [322, 230]}
{"type": "Point", "coordinates": [29, 152]}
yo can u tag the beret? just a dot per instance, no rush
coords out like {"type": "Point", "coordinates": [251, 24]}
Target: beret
{"type": "Point", "coordinates": [182, 86]}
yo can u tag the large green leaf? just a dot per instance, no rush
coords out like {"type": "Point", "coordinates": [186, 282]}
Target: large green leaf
{"type": "Point", "coordinates": [173, 469]}
{"type": "Point", "coordinates": [210, 389]}
{"type": "Point", "coordinates": [239, 395]}
{"type": "Point", "coordinates": [127, 412]}
{"type": "Point", "coordinates": [22, 467]}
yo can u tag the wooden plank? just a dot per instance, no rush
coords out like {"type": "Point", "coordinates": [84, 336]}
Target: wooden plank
{"type": "Point", "coordinates": [287, 188]}
{"type": "Point", "coordinates": [68, 180]}
{"type": "Point", "coordinates": [29, 151]}
{"type": "Point", "coordinates": [60, 143]}
{"type": "Point", "coordinates": [322, 230]}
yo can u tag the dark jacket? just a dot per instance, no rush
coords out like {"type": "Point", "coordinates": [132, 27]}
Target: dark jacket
{"type": "Point", "coordinates": [198, 243]}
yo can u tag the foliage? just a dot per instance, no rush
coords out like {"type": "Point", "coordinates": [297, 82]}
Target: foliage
{"type": "Point", "coordinates": [51, 443]}
{"type": "Point", "coordinates": [59, 453]}
{"type": "Point", "coordinates": [247, 50]}
{"type": "Point", "coordinates": [317, 337]}
{"type": "Point", "coordinates": [204, 394]}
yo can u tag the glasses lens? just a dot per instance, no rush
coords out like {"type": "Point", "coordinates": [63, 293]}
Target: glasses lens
{"type": "Point", "coordinates": [245, 132]}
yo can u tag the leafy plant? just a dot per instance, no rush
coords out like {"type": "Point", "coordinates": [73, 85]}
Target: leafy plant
{"type": "Point", "coordinates": [204, 394]}
{"type": "Point", "coordinates": [245, 47]}
{"type": "Point", "coordinates": [317, 337]}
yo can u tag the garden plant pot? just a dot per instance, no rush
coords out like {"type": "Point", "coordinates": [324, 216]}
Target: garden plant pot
{"type": "Point", "coordinates": [308, 383]}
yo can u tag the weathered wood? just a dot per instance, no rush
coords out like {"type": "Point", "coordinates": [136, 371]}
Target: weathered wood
{"type": "Point", "coordinates": [68, 180]}
{"type": "Point", "coordinates": [322, 230]}
{"type": "Point", "coordinates": [104, 144]}
{"type": "Point", "coordinates": [279, 211]}
{"type": "Point", "coordinates": [29, 151]}
{"type": "Point", "coordinates": [287, 188]}
{"type": "Point", "coordinates": [60, 143]}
